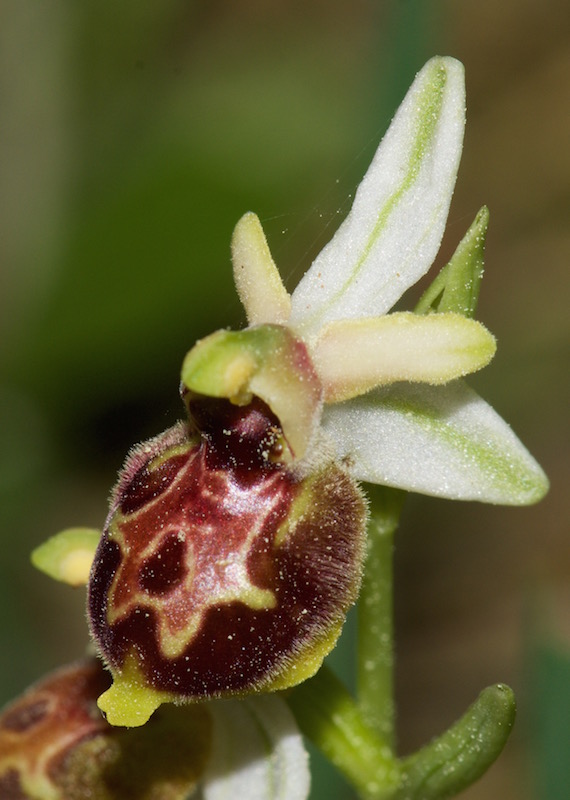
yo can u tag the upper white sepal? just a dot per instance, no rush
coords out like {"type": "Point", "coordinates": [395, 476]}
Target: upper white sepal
{"type": "Point", "coordinates": [393, 232]}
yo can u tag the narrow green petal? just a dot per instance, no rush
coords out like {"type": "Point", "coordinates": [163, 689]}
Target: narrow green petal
{"type": "Point", "coordinates": [456, 288]}
{"type": "Point", "coordinates": [67, 556]}
{"type": "Point", "coordinates": [354, 356]}
{"type": "Point", "coordinates": [256, 277]}
{"type": "Point", "coordinates": [393, 232]}
{"type": "Point", "coordinates": [444, 441]}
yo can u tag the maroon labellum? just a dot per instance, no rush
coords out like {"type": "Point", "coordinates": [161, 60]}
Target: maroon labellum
{"type": "Point", "coordinates": [224, 567]}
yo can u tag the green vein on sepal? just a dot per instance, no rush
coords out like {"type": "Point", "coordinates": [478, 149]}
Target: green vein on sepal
{"type": "Point", "coordinates": [510, 474]}
{"type": "Point", "coordinates": [330, 289]}
{"type": "Point", "coordinates": [429, 108]}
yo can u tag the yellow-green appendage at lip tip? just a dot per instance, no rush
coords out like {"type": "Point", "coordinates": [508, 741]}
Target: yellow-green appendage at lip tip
{"type": "Point", "coordinates": [130, 702]}
{"type": "Point", "coordinates": [67, 556]}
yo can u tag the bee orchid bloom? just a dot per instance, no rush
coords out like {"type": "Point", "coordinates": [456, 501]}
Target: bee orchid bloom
{"type": "Point", "coordinates": [393, 406]}
{"type": "Point", "coordinates": [235, 540]}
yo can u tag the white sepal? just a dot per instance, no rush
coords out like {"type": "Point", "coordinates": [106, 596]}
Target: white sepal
{"type": "Point", "coordinates": [257, 752]}
{"type": "Point", "coordinates": [392, 234]}
{"type": "Point", "coordinates": [444, 441]}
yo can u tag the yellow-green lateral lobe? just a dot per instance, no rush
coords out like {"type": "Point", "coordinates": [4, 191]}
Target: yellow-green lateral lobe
{"type": "Point", "coordinates": [68, 555]}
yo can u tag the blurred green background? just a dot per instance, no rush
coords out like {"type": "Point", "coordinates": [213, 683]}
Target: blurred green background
{"type": "Point", "coordinates": [133, 135]}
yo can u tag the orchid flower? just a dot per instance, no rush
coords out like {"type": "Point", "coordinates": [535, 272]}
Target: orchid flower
{"type": "Point", "coordinates": [393, 404]}
{"type": "Point", "coordinates": [235, 541]}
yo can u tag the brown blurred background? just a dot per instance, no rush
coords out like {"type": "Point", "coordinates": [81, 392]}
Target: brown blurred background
{"type": "Point", "coordinates": [132, 137]}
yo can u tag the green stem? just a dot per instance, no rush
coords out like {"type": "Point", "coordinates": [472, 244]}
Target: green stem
{"type": "Point", "coordinates": [327, 714]}
{"type": "Point", "coordinates": [375, 625]}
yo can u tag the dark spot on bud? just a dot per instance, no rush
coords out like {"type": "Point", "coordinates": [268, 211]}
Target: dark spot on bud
{"type": "Point", "coordinates": [148, 483]}
{"type": "Point", "coordinates": [22, 718]}
{"type": "Point", "coordinates": [164, 570]}
{"type": "Point", "coordinates": [11, 787]}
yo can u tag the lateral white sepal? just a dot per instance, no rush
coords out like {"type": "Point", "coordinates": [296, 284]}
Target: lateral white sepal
{"type": "Point", "coordinates": [444, 441]}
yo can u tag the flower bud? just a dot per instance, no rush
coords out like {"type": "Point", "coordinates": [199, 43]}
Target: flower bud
{"type": "Point", "coordinates": [55, 745]}
{"type": "Point", "coordinates": [226, 567]}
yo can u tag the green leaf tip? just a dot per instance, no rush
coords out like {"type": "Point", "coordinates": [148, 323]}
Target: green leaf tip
{"type": "Point", "coordinates": [457, 758]}
{"type": "Point", "coordinates": [457, 286]}
{"type": "Point", "coordinates": [67, 556]}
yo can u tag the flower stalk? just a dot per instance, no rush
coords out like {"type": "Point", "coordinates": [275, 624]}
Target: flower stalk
{"type": "Point", "coordinates": [329, 716]}
{"type": "Point", "coordinates": [375, 662]}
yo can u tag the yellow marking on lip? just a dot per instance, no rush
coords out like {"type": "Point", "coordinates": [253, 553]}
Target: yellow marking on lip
{"type": "Point", "coordinates": [172, 645]}
{"type": "Point", "coordinates": [179, 613]}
